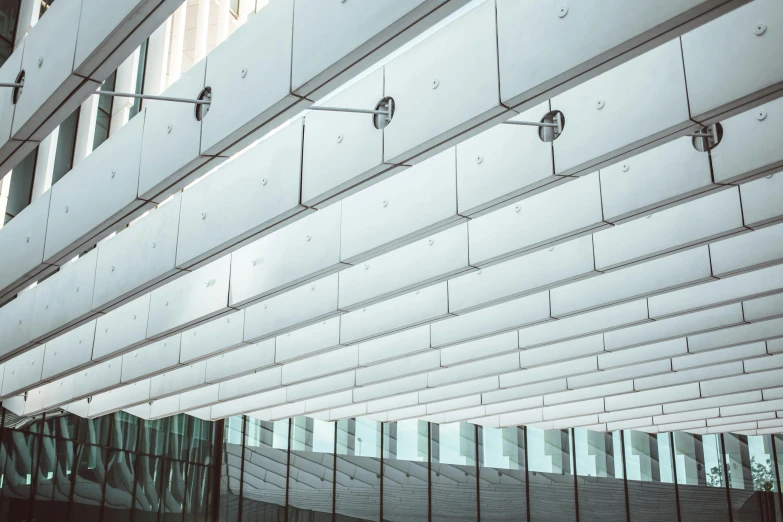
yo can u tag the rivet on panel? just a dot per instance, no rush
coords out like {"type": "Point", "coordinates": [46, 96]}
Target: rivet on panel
{"type": "Point", "coordinates": [264, 306]}
{"type": "Point", "coordinates": [309, 237]}
{"type": "Point", "coordinates": [435, 83]}
{"type": "Point", "coordinates": [20, 321]}
{"type": "Point", "coordinates": [479, 272]}
{"type": "Point", "coordinates": [135, 355]}
{"type": "Point", "coordinates": [263, 181]}
{"type": "Point", "coordinates": [562, 11]}
{"type": "Point", "coordinates": [113, 173]}
{"type": "Point", "coordinates": [625, 167]}
{"type": "Point", "coordinates": [431, 241]}
{"type": "Point", "coordinates": [168, 128]}
{"type": "Point", "coordinates": [366, 267]}
{"type": "Point", "coordinates": [243, 72]}
{"type": "Point", "coordinates": [106, 330]}
{"type": "Point", "coordinates": [203, 215]}
{"type": "Point", "coordinates": [134, 317]}
{"type": "Point", "coordinates": [228, 320]}
{"type": "Point", "coordinates": [312, 287]}
{"type": "Point", "coordinates": [479, 159]}
{"type": "Point", "coordinates": [40, 61]}
{"type": "Point", "coordinates": [761, 115]}
{"type": "Point", "coordinates": [55, 352]}
{"type": "Point", "coordinates": [153, 244]}
{"type": "Point", "coordinates": [167, 303]}
{"type": "Point", "coordinates": [599, 104]}
{"type": "Point", "coordinates": [67, 209]}
{"type": "Point", "coordinates": [339, 138]}
{"type": "Point", "coordinates": [384, 202]}
{"type": "Point", "coordinates": [517, 208]}
{"type": "Point", "coordinates": [760, 28]}
{"type": "Point", "coordinates": [27, 239]}
{"type": "Point", "coordinates": [77, 288]}
{"type": "Point", "coordinates": [417, 292]}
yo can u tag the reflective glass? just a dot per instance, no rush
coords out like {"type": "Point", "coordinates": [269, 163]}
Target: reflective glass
{"type": "Point", "coordinates": [601, 488]}
{"type": "Point", "coordinates": [751, 476]}
{"type": "Point", "coordinates": [173, 490]}
{"type": "Point", "coordinates": [66, 141]}
{"type": "Point", "coordinates": [551, 480]}
{"type": "Point", "coordinates": [153, 437]}
{"type": "Point", "coordinates": [405, 481]}
{"type": "Point", "coordinates": [197, 493]}
{"type": "Point", "coordinates": [200, 438]}
{"type": "Point", "coordinates": [149, 488]}
{"type": "Point", "coordinates": [103, 116]}
{"type": "Point", "coordinates": [502, 478]}
{"type": "Point", "coordinates": [88, 483]}
{"type": "Point", "coordinates": [358, 470]}
{"type": "Point", "coordinates": [21, 452]}
{"type": "Point", "coordinates": [265, 464]}
{"type": "Point", "coordinates": [178, 443]}
{"type": "Point", "coordinates": [698, 463]}
{"type": "Point", "coordinates": [124, 431]}
{"type": "Point", "coordinates": [118, 494]}
{"type": "Point", "coordinates": [94, 431]}
{"type": "Point", "coordinates": [140, 72]}
{"type": "Point", "coordinates": [231, 469]}
{"type": "Point", "coordinates": [54, 480]}
{"type": "Point", "coordinates": [648, 464]}
{"type": "Point", "coordinates": [21, 190]}
{"type": "Point", "coordinates": [311, 473]}
{"type": "Point", "coordinates": [454, 488]}
{"type": "Point", "coordinates": [61, 427]}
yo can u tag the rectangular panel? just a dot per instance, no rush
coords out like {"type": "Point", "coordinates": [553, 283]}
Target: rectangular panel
{"type": "Point", "coordinates": [390, 213]}
{"type": "Point", "coordinates": [68, 351]}
{"type": "Point", "coordinates": [178, 380]}
{"type": "Point", "coordinates": [249, 384]}
{"type": "Point", "coordinates": [472, 350]}
{"type": "Point", "coordinates": [654, 178]}
{"type": "Point", "coordinates": [591, 345]}
{"type": "Point", "coordinates": [672, 327]}
{"type": "Point", "coordinates": [454, 404]}
{"type": "Point", "coordinates": [242, 360]}
{"type": "Point", "coordinates": [521, 392]}
{"type": "Point", "coordinates": [393, 403]}
{"type": "Point", "coordinates": [389, 388]}
{"type": "Point", "coordinates": [329, 401]}
{"type": "Point", "coordinates": [590, 406]}
{"type": "Point", "coordinates": [516, 405]}
{"type": "Point", "coordinates": [738, 335]}
{"type": "Point", "coordinates": [250, 77]}
{"type": "Point", "coordinates": [299, 252]}
{"type": "Point", "coordinates": [761, 406]}
{"type": "Point", "coordinates": [400, 312]}
{"type": "Point", "coordinates": [549, 372]}
{"type": "Point", "coordinates": [23, 371]}
{"type": "Point", "coordinates": [16, 322]}
{"type": "Point", "coordinates": [221, 334]}
{"type": "Point", "coordinates": [56, 393]}
{"type": "Point", "coordinates": [697, 374]}
{"type": "Point", "coordinates": [646, 398]}
{"type": "Point", "coordinates": [749, 144]}
{"type": "Point", "coordinates": [426, 260]}
{"type": "Point", "coordinates": [246, 404]}
{"type": "Point", "coordinates": [122, 329]}
{"type": "Point", "coordinates": [322, 386]}
{"type": "Point", "coordinates": [708, 218]}
{"type": "Point", "coordinates": [170, 145]}
{"type": "Point", "coordinates": [192, 298]}
{"type": "Point", "coordinates": [156, 357]}
{"type": "Point", "coordinates": [736, 353]}
{"type": "Point", "coordinates": [199, 397]}
{"type": "Point", "coordinates": [719, 292]}
{"type": "Point", "coordinates": [762, 200]}
{"type": "Point", "coordinates": [567, 210]}
{"type": "Point", "coordinates": [604, 390]}
{"type": "Point", "coordinates": [321, 365]}
{"type": "Point", "coordinates": [98, 192]}
{"type": "Point", "coordinates": [65, 298]}
{"type": "Point", "coordinates": [402, 343]}
{"type": "Point", "coordinates": [763, 363]}
{"type": "Point", "coordinates": [502, 163]}
{"type": "Point", "coordinates": [9, 74]}
{"type": "Point", "coordinates": [24, 235]}
{"type": "Point", "coordinates": [257, 190]}
{"type": "Point", "coordinates": [763, 308]}
{"type": "Point", "coordinates": [444, 85]}
{"type": "Point", "coordinates": [730, 61]}
{"type": "Point", "coordinates": [624, 373]}
{"type": "Point", "coordinates": [604, 117]}
{"type": "Point", "coordinates": [584, 324]}
{"type": "Point", "coordinates": [473, 370]}
{"type": "Point", "coordinates": [712, 402]}
{"type": "Point", "coordinates": [518, 313]}
{"type": "Point", "coordinates": [621, 415]}
{"type": "Point", "coordinates": [293, 309]}
{"type": "Point", "coordinates": [747, 251]}
{"type": "Point", "coordinates": [650, 352]}
{"type": "Point", "coordinates": [460, 389]}
{"type": "Point", "coordinates": [652, 277]}
{"type": "Point", "coordinates": [98, 377]}
{"type": "Point", "coordinates": [138, 257]}
{"type": "Point", "coordinates": [122, 397]}
{"type": "Point", "coordinates": [398, 368]}
{"type": "Point", "coordinates": [738, 383]}
{"type": "Point", "coordinates": [313, 339]}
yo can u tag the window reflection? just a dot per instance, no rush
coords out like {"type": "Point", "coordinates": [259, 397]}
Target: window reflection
{"type": "Point", "coordinates": [502, 476]}
{"type": "Point", "coordinates": [453, 450]}
{"type": "Point", "coordinates": [600, 479]}
{"type": "Point", "coordinates": [265, 468]}
{"type": "Point", "coordinates": [648, 464]}
{"type": "Point", "coordinates": [405, 481]}
{"type": "Point", "coordinates": [751, 476]}
{"type": "Point", "coordinates": [358, 470]}
{"type": "Point", "coordinates": [311, 472]}
{"type": "Point", "coordinates": [698, 463]}
{"type": "Point", "coordinates": [53, 483]}
{"type": "Point", "coordinates": [551, 482]}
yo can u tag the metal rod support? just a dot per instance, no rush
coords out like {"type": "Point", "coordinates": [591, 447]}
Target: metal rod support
{"type": "Point", "coordinates": [340, 109]}
{"type": "Point", "coordinates": [13, 85]}
{"type": "Point", "coordinates": [152, 97]}
{"type": "Point", "coordinates": [533, 123]}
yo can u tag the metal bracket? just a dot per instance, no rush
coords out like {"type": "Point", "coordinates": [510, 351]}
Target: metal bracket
{"type": "Point", "coordinates": [707, 132]}
{"type": "Point", "coordinates": [387, 113]}
{"type": "Point", "coordinates": [557, 124]}
{"type": "Point", "coordinates": [152, 97]}
{"type": "Point", "coordinates": [12, 85]}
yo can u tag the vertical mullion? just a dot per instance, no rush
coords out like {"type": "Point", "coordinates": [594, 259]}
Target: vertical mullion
{"type": "Point", "coordinates": [726, 475]}
{"type": "Point", "coordinates": [135, 472]}
{"type": "Point", "coordinates": [625, 476]}
{"type": "Point", "coordinates": [74, 463]}
{"type": "Point", "coordinates": [242, 471]}
{"type": "Point", "coordinates": [777, 471]}
{"type": "Point", "coordinates": [478, 473]}
{"type": "Point", "coordinates": [288, 469]}
{"type": "Point", "coordinates": [674, 476]}
{"type": "Point", "coordinates": [36, 463]}
{"type": "Point", "coordinates": [429, 472]}
{"type": "Point", "coordinates": [218, 427]}
{"type": "Point", "coordinates": [527, 473]}
{"type": "Point", "coordinates": [334, 476]}
{"type": "Point", "coordinates": [381, 502]}
{"type": "Point", "coordinates": [572, 444]}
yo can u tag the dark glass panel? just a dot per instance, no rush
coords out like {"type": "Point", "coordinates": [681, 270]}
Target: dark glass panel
{"type": "Point", "coordinates": [149, 488]}
{"type": "Point", "coordinates": [698, 462]}
{"type": "Point", "coordinates": [751, 475]}
{"type": "Point", "coordinates": [231, 470]}
{"type": "Point", "coordinates": [61, 427]}
{"type": "Point", "coordinates": [124, 430]}
{"type": "Point", "coordinates": [21, 190]}
{"type": "Point", "coordinates": [178, 443]}
{"type": "Point", "coordinates": [54, 480]}
{"type": "Point", "coordinates": [118, 495]}
{"type": "Point", "coordinates": [153, 437]}
{"type": "Point", "coordinates": [103, 116]}
{"type": "Point", "coordinates": [312, 470]}
{"type": "Point", "coordinates": [599, 470]}
{"type": "Point", "coordinates": [140, 72]}
{"type": "Point", "coordinates": [454, 488]}
{"type": "Point", "coordinates": [94, 431]}
{"type": "Point", "coordinates": [648, 464]}
{"type": "Point", "coordinates": [66, 141]}
{"type": "Point", "coordinates": [174, 490]}
{"type": "Point", "coordinates": [358, 465]}
{"type": "Point", "coordinates": [9, 12]}
{"type": "Point", "coordinates": [200, 438]}
{"type": "Point", "coordinates": [196, 493]}
{"type": "Point", "coordinates": [502, 476]}
{"type": "Point", "coordinates": [551, 480]}
{"type": "Point", "coordinates": [21, 452]}
{"type": "Point", "coordinates": [88, 483]}
{"type": "Point", "coordinates": [264, 479]}
{"type": "Point", "coordinates": [405, 473]}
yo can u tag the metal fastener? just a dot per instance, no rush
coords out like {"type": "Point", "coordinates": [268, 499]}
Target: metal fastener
{"type": "Point", "coordinates": [264, 306]}
{"type": "Point", "coordinates": [309, 237]}
{"type": "Point", "coordinates": [203, 215]}
{"type": "Point", "coordinates": [168, 128]}
{"type": "Point", "coordinates": [134, 317]}
{"type": "Point", "coordinates": [67, 209]}
{"type": "Point", "coordinates": [599, 104]}
{"type": "Point", "coordinates": [263, 181]}
{"type": "Point", "coordinates": [384, 202]}
{"type": "Point", "coordinates": [562, 11]}
{"type": "Point", "coordinates": [153, 244]}
{"type": "Point", "coordinates": [228, 320]}
{"type": "Point", "coordinates": [106, 330]}
{"type": "Point", "coordinates": [113, 173]}
{"type": "Point", "coordinates": [312, 287]}
{"type": "Point", "coordinates": [366, 267]}
{"type": "Point", "coordinates": [112, 268]}
{"type": "Point", "coordinates": [517, 208]}
{"type": "Point", "coordinates": [760, 28]}
{"type": "Point", "coordinates": [77, 288]}
{"type": "Point", "coordinates": [20, 321]}
{"type": "Point", "coordinates": [339, 138]}
{"type": "Point", "coordinates": [40, 61]}
{"type": "Point", "coordinates": [479, 159]}
{"type": "Point", "coordinates": [27, 239]}
{"type": "Point", "coordinates": [479, 272]}
{"type": "Point", "coordinates": [435, 83]}
{"type": "Point", "coordinates": [167, 303]}
{"type": "Point", "coordinates": [243, 72]}
{"type": "Point", "coordinates": [761, 114]}
{"type": "Point", "coordinates": [625, 167]}
{"type": "Point", "coordinates": [431, 241]}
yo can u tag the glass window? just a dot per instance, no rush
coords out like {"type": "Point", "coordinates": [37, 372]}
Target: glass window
{"type": "Point", "coordinates": [699, 467]}
{"type": "Point", "coordinates": [178, 444]}
{"type": "Point", "coordinates": [53, 483]}
{"type": "Point", "coordinates": [551, 480]}
{"type": "Point", "coordinates": [358, 470]}
{"type": "Point", "coordinates": [233, 7]}
{"type": "Point", "coordinates": [9, 11]}
{"type": "Point", "coordinates": [88, 483]}
{"type": "Point", "coordinates": [66, 141]}
{"type": "Point", "coordinates": [599, 480]}
{"type": "Point", "coordinates": [174, 472]}
{"type": "Point", "coordinates": [21, 450]}
{"type": "Point", "coordinates": [502, 475]}
{"type": "Point", "coordinates": [265, 470]}
{"type": "Point", "coordinates": [648, 464]}
{"type": "Point", "coordinates": [103, 117]}
{"type": "Point", "coordinates": [405, 481]}
{"type": "Point", "coordinates": [140, 73]}
{"type": "Point", "coordinates": [118, 495]}
{"type": "Point", "coordinates": [149, 489]}
{"type": "Point", "coordinates": [454, 488]}
{"type": "Point", "coordinates": [45, 5]}
{"type": "Point", "coordinates": [21, 190]}
{"type": "Point", "coordinates": [94, 431]}
{"type": "Point", "coordinates": [311, 473]}
{"type": "Point", "coordinates": [751, 476]}
{"type": "Point", "coordinates": [152, 437]}
{"type": "Point", "coordinates": [124, 430]}
{"type": "Point", "coordinates": [197, 493]}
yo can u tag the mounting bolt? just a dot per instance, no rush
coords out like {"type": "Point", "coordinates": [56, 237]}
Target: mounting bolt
{"type": "Point", "coordinates": [203, 215]}
{"type": "Point", "coordinates": [134, 317]}
{"type": "Point", "coordinates": [113, 173]}
{"type": "Point", "coordinates": [27, 239]}
{"type": "Point", "coordinates": [309, 237]}
{"type": "Point", "coordinates": [243, 72]}
{"type": "Point", "coordinates": [339, 138]}
{"type": "Point", "coordinates": [599, 104]}
{"type": "Point", "coordinates": [312, 287]}
{"type": "Point", "coordinates": [40, 61]}
{"type": "Point", "coordinates": [112, 268]}
{"type": "Point", "coordinates": [479, 159]}
{"type": "Point", "coordinates": [67, 209]}
{"type": "Point", "coordinates": [153, 244]}
{"type": "Point", "coordinates": [168, 128]}
{"type": "Point", "coordinates": [517, 208]}
{"type": "Point", "coordinates": [384, 202]}
{"type": "Point", "coordinates": [263, 181]}
{"type": "Point", "coordinates": [625, 167]}
{"type": "Point", "coordinates": [562, 11]}
{"type": "Point", "coordinates": [761, 114]}
{"type": "Point", "coordinates": [366, 267]}
{"type": "Point", "coordinates": [431, 241]}
{"type": "Point", "coordinates": [760, 29]}
{"type": "Point", "coordinates": [435, 83]}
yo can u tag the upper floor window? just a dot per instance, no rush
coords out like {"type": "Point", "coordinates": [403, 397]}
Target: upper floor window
{"type": "Point", "coordinates": [233, 7]}
{"type": "Point", "coordinates": [45, 5]}
{"type": "Point", "coordinates": [140, 73]}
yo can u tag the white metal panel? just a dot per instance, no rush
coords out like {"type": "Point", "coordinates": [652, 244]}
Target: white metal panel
{"type": "Point", "coordinates": [121, 329]}
{"type": "Point", "coordinates": [762, 200]}
{"type": "Point", "coordinates": [389, 388]}
{"type": "Point", "coordinates": [68, 351]}
{"type": "Point", "coordinates": [426, 260]}
{"type": "Point", "coordinates": [9, 73]}
{"type": "Point", "coordinates": [735, 353]}
{"type": "Point", "coordinates": [399, 209]}
{"type": "Point", "coordinates": [199, 397]}
{"type": "Point", "coordinates": [697, 374]}
{"type": "Point", "coordinates": [25, 236]}
{"type": "Point", "coordinates": [686, 416]}
{"type": "Point", "coordinates": [156, 357]}
{"type": "Point", "coordinates": [406, 342]}
{"type": "Point", "coordinates": [343, 149]}
{"type": "Point", "coordinates": [515, 405]}
{"type": "Point", "coordinates": [23, 371]}
{"type": "Point", "coordinates": [393, 403]}
{"type": "Point", "coordinates": [122, 397]}
{"type": "Point", "coordinates": [654, 178]}
{"type": "Point", "coordinates": [178, 380]}
{"type": "Point", "coordinates": [633, 371]}
{"type": "Point", "coordinates": [604, 116]}
{"type": "Point", "coordinates": [242, 360]}
{"type": "Point", "coordinates": [460, 389]}
{"type": "Point", "coordinates": [444, 85]}
{"type": "Point", "coordinates": [635, 413]}
{"type": "Point", "coordinates": [98, 377]}
{"type": "Point", "coordinates": [708, 218]}
{"type": "Point", "coordinates": [453, 404]}
{"type": "Point", "coordinates": [321, 365]}
{"type": "Point", "coordinates": [649, 352]}
{"type": "Point", "coordinates": [562, 411]}
{"type": "Point", "coordinates": [213, 337]}
{"type": "Point", "coordinates": [292, 309]}
{"type": "Point", "coordinates": [248, 384]}
{"type": "Point", "coordinates": [138, 257]}
{"type": "Point", "coordinates": [775, 346]}
{"type": "Point", "coordinates": [16, 321]}
{"type": "Point", "coordinates": [48, 62]}
{"type": "Point", "coordinates": [256, 190]}
{"type": "Point", "coordinates": [603, 390]}
{"type": "Point", "coordinates": [398, 368]}
{"type": "Point", "coordinates": [98, 192]}
{"type": "Point", "coordinates": [478, 349]}
{"type": "Point", "coordinates": [250, 403]}
{"type": "Point", "coordinates": [522, 275]}
{"type": "Point", "coordinates": [401, 312]}
{"type": "Point", "coordinates": [329, 401]}
{"type": "Point", "coordinates": [172, 134]}
{"type": "Point", "coordinates": [192, 298]}
{"type": "Point", "coordinates": [729, 61]}
{"type": "Point", "coordinates": [712, 402]}
{"type": "Point", "coordinates": [517, 418]}
{"type": "Point", "coordinates": [672, 327]}
{"type": "Point", "coordinates": [562, 351]}
{"type": "Point", "coordinates": [681, 392]}
{"type": "Point", "coordinates": [549, 372]}
{"type": "Point", "coordinates": [518, 313]}
{"type": "Point", "coordinates": [57, 392]}
{"type": "Point", "coordinates": [731, 289]}
{"type": "Point", "coordinates": [250, 77]}
{"type": "Point", "coordinates": [749, 143]}
{"type": "Point", "coordinates": [521, 392]}
{"type": "Point", "coordinates": [584, 324]}
{"type": "Point", "coordinates": [760, 406]}
{"type": "Point", "coordinates": [322, 386]}
{"type": "Point", "coordinates": [763, 308]}
{"type": "Point", "coordinates": [763, 363]}
{"type": "Point", "coordinates": [738, 383]}
{"type": "Point", "coordinates": [65, 298]}
{"type": "Point", "coordinates": [299, 252]}
{"type": "Point", "coordinates": [756, 249]}
{"type": "Point", "coordinates": [655, 276]}
{"type": "Point", "coordinates": [164, 407]}
{"type": "Point", "coordinates": [476, 369]}
{"type": "Point", "coordinates": [503, 162]}
{"type": "Point", "coordinates": [313, 339]}
{"type": "Point", "coordinates": [737, 335]}
{"type": "Point", "coordinates": [566, 210]}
